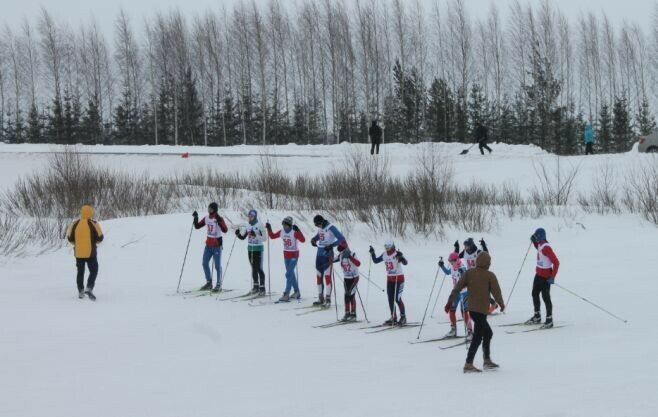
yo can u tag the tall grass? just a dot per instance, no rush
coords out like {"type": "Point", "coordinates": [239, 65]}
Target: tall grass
{"type": "Point", "coordinates": [425, 200]}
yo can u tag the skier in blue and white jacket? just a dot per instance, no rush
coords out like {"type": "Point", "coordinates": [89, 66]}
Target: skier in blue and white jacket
{"type": "Point", "coordinates": [326, 239]}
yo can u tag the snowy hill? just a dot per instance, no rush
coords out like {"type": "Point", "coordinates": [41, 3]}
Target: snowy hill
{"type": "Point", "coordinates": [139, 350]}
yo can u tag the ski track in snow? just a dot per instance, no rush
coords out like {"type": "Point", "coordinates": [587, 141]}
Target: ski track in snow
{"type": "Point", "coordinates": [138, 351]}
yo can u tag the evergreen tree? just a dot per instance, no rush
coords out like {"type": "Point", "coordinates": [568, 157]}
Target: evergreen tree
{"type": "Point", "coordinates": [190, 112]}
{"type": "Point", "coordinates": [478, 109]}
{"type": "Point", "coordinates": [541, 100]}
{"type": "Point", "coordinates": [604, 130]}
{"type": "Point", "coordinates": [55, 123]}
{"type": "Point", "coordinates": [622, 133]}
{"type": "Point", "coordinates": [91, 126]}
{"type": "Point", "coordinates": [440, 116]}
{"type": "Point", "coordinates": [646, 123]}
{"type": "Point", "coordinates": [34, 126]}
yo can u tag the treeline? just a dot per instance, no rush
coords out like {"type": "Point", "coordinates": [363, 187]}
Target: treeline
{"type": "Point", "coordinates": [320, 72]}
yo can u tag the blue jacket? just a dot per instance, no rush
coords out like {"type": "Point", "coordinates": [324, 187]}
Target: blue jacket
{"type": "Point", "coordinates": [589, 133]}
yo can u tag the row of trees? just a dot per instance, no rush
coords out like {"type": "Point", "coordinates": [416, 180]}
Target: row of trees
{"type": "Point", "coordinates": [320, 72]}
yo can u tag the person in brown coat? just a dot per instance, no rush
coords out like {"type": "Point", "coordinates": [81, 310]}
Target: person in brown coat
{"type": "Point", "coordinates": [481, 284]}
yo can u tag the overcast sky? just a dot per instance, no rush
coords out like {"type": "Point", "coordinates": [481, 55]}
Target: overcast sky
{"type": "Point", "coordinates": [75, 11]}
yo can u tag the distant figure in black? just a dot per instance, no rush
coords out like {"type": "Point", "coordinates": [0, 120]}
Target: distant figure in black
{"type": "Point", "coordinates": [481, 137]}
{"type": "Point", "coordinates": [375, 133]}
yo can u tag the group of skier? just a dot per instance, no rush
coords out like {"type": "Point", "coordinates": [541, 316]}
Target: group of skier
{"type": "Point", "coordinates": [475, 289]}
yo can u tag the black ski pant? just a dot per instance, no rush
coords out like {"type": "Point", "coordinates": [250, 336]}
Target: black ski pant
{"type": "Point", "coordinates": [374, 149]}
{"type": "Point", "coordinates": [350, 294]}
{"type": "Point", "coordinates": [483, 146]}
{"type": "Point", "coordinates": [394, 292]}
{"type": "Point", "coordinates": [481, 334]}
{"type": "Point", "coordinates": [257, 273]}
{"type": "Point", "coordinates": [541, 286]}
{"type": "Point", "coordinates": [589, 149]}
{"type": "Point", "coordinates": [92, 263]}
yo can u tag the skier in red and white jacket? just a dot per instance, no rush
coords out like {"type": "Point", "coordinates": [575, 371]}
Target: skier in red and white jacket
{"type": "Point", "coordinates": [215, 226]}
{"type": "Point", "coordinates": [291, 236]}
{"type": "Point", "coordinates": [547, 267]}
{"type": "Point", "coordinates": [350, 264]}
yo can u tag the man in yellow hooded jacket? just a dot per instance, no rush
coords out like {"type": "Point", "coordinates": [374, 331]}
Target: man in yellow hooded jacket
{"type": "Point", "coordinates": [85, 233]}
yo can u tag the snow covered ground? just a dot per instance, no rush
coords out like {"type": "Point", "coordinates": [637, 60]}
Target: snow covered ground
{"type": "Point", "coordinates": [140, 351]}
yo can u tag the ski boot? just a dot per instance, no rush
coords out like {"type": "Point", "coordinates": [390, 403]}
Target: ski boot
{"type": "Point", "coordinates": [489, 364]}
{"type": "Point", "coordinates": [469, 335]}
{"type": "Point", "coordinates": [452, 332]}
{"type": "Point", "coordinates": [285, 298]}
{"type": "Point", "coordinates": [470, 368]}
{"type": "Point", "coordinates": [536, 319]}
{"type": "Point", "coordinates": [548, 324]}
{"type": "Point", "coordinates": [402, 321]}
{"type": "Point", "coordinates": [391, 322]}
{"type": "Point", "coordinates": [81, 294]}
{"type": "Point", "coordinates": [254, 291]}
{"type": "Point", "coordinates": [92, 297]}
{"type": "Point", "coordinates": [207, 286]}
{"type": "Point", "coordinates": [347, 317]}
{"type": "Point", "coordinates": [262, 292]}
{"type": "Point", "coordinates": [353, 316]}
{"type": "Point", "coordinates": [320, 301]}
{"type": "Point", "coordinates": [327, 301]}
{"type": "Point", "coordinates": [295, 296]}
{"type": "Point", "coordinates": [218, 288]}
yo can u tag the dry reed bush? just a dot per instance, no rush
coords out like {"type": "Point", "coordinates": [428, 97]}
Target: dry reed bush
{"type": "Point", "coordinates": [641, 193]}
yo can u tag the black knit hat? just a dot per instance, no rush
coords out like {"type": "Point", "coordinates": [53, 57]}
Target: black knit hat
{"type": "Point", "coordinates": [318, 220]}
{"type": "Point", "coordinates": [213, 207]}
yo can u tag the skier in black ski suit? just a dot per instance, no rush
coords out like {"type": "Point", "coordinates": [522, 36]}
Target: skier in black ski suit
{"type": "Point", "coordinates": [375, 133]}
{"type": "Point", "coordinates": [481, 137]}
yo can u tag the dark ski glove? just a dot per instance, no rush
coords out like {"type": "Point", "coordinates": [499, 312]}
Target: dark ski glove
{"type": "Point", "coordinates": [268, 226]}
{"type": "Point", "coordinates": [314, 242]}
{"type": "Point", "coordinates": [371, 250]}
{"type": "Point", "coordinates": [533, 239]}
{"type": "Point", "coordinates": [457, 246]}
{"type": "Point", "coordinates": [237, 232]}
{"type": "Point", "coordinates": [484, 245]}
{"type": "Point", "coordinates": [441, 263]}
{"type": "Point", "coordinates": [195, 214]}
{"type": "Point", "coordinates": [399, 256]}
{"type": "Point", "coordinates": [295, 228]}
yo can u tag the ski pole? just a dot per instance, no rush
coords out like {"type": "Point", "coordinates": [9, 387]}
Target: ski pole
{"type": "Point", "coordinates": [365, 315]}
{"type": "Point", "coordinates": [228, 262]}
{"type": "Point", "coordinates": [517, 276]}
{"type": "Point", "coordinates": [588, 301]}
{"type": "Point", "coordinates": [184, 259]}
{"type": "Point", "coordinates": [429, 301]}
{"type": "Point", "coordinates": [368, 279]}
{"type": "Point", "coordinates": [269, 272]}
{"type": "Point", "coordinates": [368, 287]}
{"type": "Point", "coordinates": [333, 280]}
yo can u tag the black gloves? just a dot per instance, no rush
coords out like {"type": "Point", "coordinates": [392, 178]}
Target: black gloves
{"type": "Point", "coordinates": [457, 246]}
{"type": "Point", "coordinates": [237, 232]}
{"type": "Point", "coordinates": [314, 242]}
{"type": "Point", "coordinates": [533, 238]}
{"type": "Point", "coordinates": [484, 245]}
{"type": "Point", "coordinates": [441, 263]}
{"type": "Point", "coordinates": [295, 228]}
{"type": "Point", "coordinates": [268, 226]}
{"type": "Point", "coordinates": [399, 256]}
{"type": "Point", "coordinates": [371, 250]}
{"type": "Point", "coordinates": [195, 214]}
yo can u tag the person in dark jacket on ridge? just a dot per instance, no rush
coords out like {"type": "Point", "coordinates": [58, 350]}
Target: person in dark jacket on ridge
{"type": "Point", "coordinates": [482, 137]}
{"type": "Point", "coordinates": [375, 133]}
{"type": "Point", "coordinates": [481, 284]}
